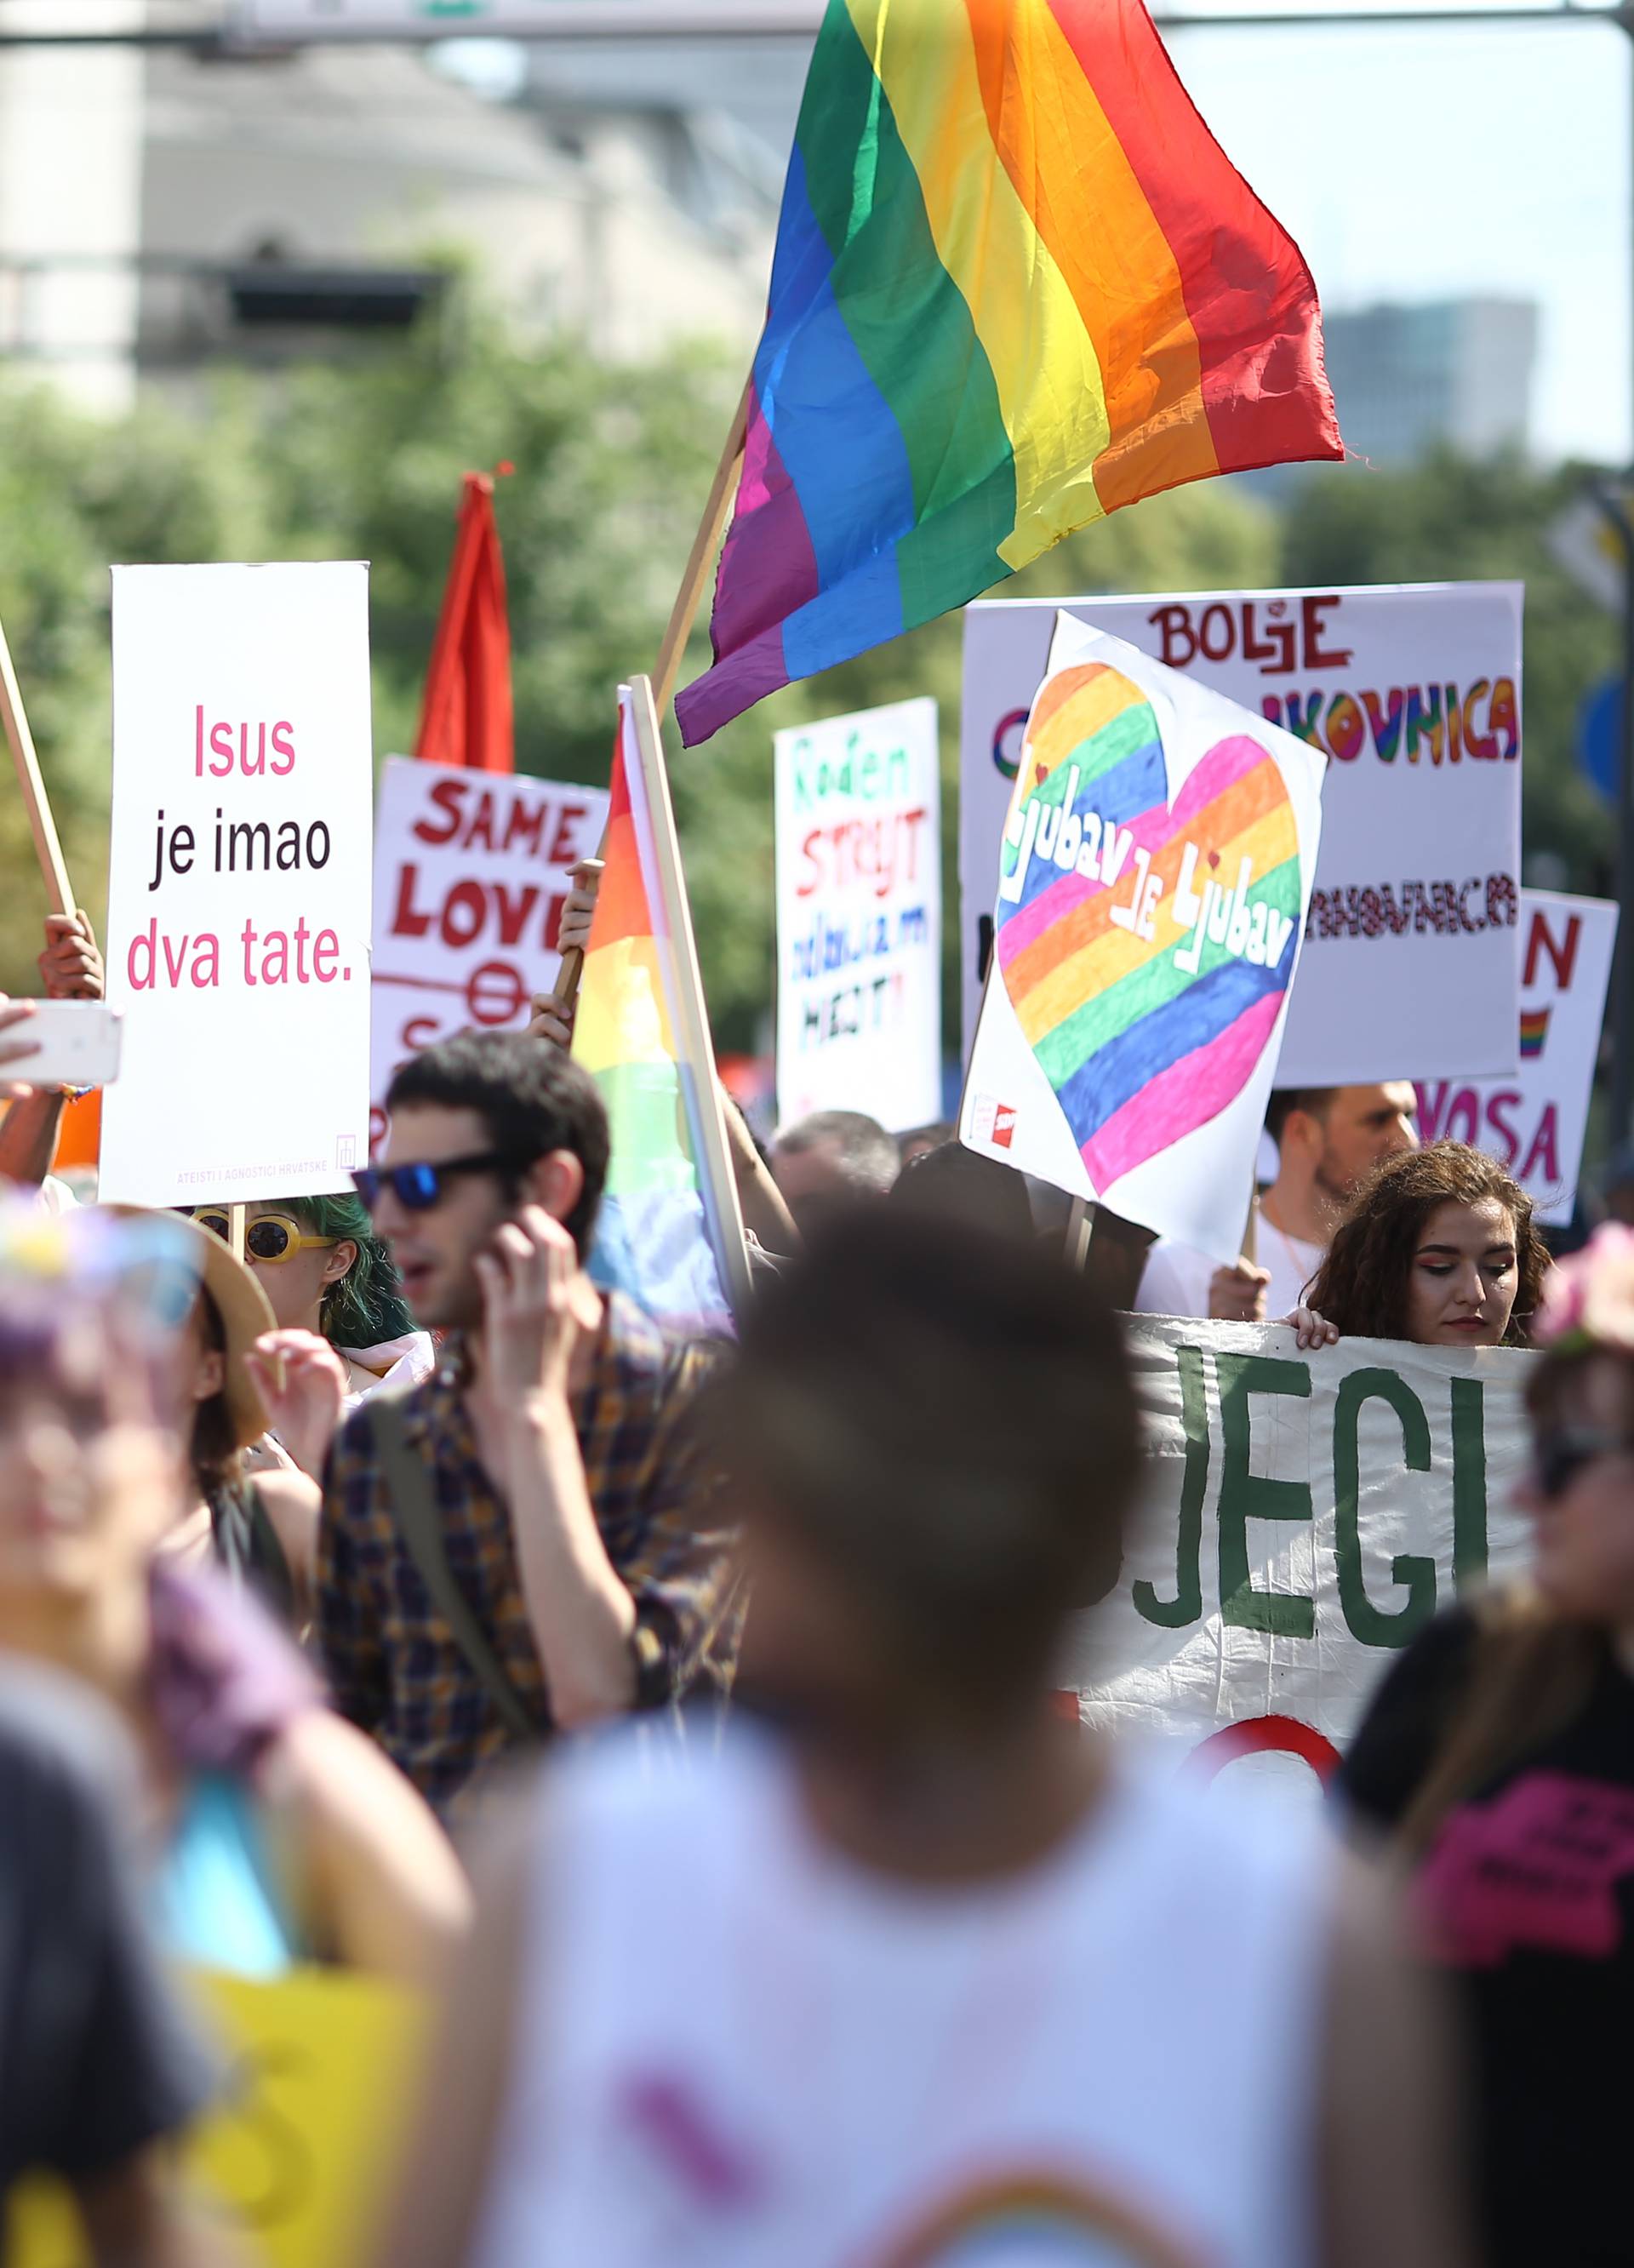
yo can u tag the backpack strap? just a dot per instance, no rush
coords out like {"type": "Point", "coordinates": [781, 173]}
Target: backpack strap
{"type": "Point", "coordinates": [413, 1507]}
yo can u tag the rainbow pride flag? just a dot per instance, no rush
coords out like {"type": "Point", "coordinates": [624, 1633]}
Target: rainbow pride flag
{"type": "Point", "coordinates": [655, 1239]}
{"type": "Point", "coordinates": [1017, 284]}
{"type": "Point", "coordinates": [1534, 1033]}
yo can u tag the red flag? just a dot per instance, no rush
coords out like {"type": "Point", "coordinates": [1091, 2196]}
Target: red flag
{"type": "Point", "coordinates": [465, 718]}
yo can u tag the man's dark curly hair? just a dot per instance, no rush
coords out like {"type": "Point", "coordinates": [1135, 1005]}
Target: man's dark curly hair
{"type": "Point", "coordinates": [1362, 1285]}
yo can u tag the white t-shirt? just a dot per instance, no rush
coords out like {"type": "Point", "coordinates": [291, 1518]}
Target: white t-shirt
{"type": "Point", "coordinates": [1176, 1278]}
{"type": "Point", "coordinates": [736, 2049]}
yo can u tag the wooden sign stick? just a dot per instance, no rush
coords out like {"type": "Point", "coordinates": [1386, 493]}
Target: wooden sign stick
{"type": "Point", "coordinates": [33, 787]}
{"type": "Point", "coordinates": [1080, 1228]}
{"type": "Point", "coordinates": [684, 613]}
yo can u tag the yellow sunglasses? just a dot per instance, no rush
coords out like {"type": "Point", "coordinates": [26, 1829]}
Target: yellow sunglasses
{"type": "Point", "coordinates": [271, 1236]}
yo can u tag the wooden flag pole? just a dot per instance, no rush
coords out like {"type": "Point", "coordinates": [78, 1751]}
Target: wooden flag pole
{"type": "Point", "coordinates": [689, 1015]}
{"type": "Point", "coordinates": [705, 544]}
{"type": "Point", "coordinates": [35, 800]}
{"type": "Point", "coordinates": [1251, 1231]}
{"type": "Point", "coordinates": [1080, 1228]}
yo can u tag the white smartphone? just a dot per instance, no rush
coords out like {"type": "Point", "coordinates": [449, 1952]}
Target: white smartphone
{"type": "Point", "coordinates": [76, 1044]}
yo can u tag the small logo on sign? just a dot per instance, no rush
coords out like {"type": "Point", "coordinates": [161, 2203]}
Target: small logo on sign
{"type": "Point", "coordinates": [993, 1123]}
{"type": "Point", "coordinates": [346, 1151]}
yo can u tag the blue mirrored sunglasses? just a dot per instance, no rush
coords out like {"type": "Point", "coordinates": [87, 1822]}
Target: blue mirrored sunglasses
{"type": "Point", "coordinates": [418, 1188]}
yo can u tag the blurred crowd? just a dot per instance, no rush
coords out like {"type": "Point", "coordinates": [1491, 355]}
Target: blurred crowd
{"type": "Point", "coordinates": [683, 1720]}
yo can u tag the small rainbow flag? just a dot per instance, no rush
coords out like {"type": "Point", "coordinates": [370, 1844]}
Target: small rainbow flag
{"type": "Point", "coordinates": [655, 1239]}
{"type": "Point", "coordinates": [1017, 284]}
{"type": "Point", "coordinates": [1534, 1032]}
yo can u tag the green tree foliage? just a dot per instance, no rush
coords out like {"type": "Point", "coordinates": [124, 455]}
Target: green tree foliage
{"type": "Point", "coordinates": [612, 463]}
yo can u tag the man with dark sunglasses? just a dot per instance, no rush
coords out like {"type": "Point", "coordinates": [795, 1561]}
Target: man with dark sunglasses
{"type": "Point", "coordinates": [584, 1567]}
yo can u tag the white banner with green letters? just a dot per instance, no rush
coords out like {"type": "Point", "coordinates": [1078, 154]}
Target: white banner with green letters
{"type": "Point", "coordinates": [1302, 1518]}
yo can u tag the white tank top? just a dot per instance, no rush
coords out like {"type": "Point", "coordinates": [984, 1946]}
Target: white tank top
{"type": "Point", "coordinates": [735, 2049]}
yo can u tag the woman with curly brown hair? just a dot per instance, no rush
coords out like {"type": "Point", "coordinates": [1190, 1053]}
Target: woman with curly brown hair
{"type": "Point", "coordinates": [1498, 1759]}
{"type": "Point", "coordinates": [1439, 1249]}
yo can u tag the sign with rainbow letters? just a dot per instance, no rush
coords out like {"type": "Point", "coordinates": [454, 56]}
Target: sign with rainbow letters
{"type": "Point", "coordinates": [1412, 694]}
{"type": "Point", "coordinates": [1155, 875]}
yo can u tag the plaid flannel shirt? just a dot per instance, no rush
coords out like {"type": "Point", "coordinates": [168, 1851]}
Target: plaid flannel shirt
{"type": "Point", "coordinates": [393, 1665]}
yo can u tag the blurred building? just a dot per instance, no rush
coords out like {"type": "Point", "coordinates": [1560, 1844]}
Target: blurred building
{"type": "Point", "coordinates": [71, 188]}
{"type": "Point", "coordinates": [162, 213]}
{"type": "Point", "coordinates": [1453, 370]}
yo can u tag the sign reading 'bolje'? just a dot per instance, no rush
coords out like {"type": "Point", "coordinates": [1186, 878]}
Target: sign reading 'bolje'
{"type": "Point", "coordinates": [1156, 866]}
{"type": "Point", "coordinates": [1411, 694]}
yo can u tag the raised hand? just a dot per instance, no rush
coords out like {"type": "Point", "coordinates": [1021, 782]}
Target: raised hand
{"type": "Point", "coordinates": [302, 1384]}
{"type": "Point", "coordinates": [15, 1047]}
{"type": "Point", "coordinates": [553, 1014]}
{"type": "Point", "coordinates": [1237, 1295]}
{"type": "Point", "coordinates": [552, 1019]}
{"type": "Point", "coordinates": [70, 967]}
{"type": "Point", "coordinates": [527, 1276]}
{"type": "Point", "coordinates": [579, 909]}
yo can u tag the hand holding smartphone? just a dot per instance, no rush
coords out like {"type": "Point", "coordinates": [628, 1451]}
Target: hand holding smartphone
{"type": "Point", "coordinates": [59, 1042]}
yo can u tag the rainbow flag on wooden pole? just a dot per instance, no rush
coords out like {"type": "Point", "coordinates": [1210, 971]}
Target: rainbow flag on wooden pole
{"type": "Point", "coordinates": [1017, 283]}
{"type": "Point", "coordinates": [670, 1234]}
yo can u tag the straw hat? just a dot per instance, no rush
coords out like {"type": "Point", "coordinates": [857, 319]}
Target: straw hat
{"type": "Point", "coordinates": [245, 1311]}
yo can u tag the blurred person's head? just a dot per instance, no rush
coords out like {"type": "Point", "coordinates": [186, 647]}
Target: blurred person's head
{"type": "Point", "coordinates": [920, 1139]}
{"type": "Point", "coordinates": [222, 1408]}
{"type": "Point", "coordinates": [493, 1122]}
{"type": "Point", "coordinates": [950, 1183]}
{"type": "Point", "coordinates": [1330, 1138]}
{"type": "Point", "coordinates": [1617, 1184]}
{"type": "Point", "coordinates": [1437, 1247]}
{"type": "Point", "coordinates": [93, 1316]}
{"type": "Point", "coordinates": [212, 1402]}
{"type": "Point", "coordinates": [833, 1158]}
{"type": "Point", "coordinates": [933, 1440]}
{"type": "Point", "coordinates": [1544, 1642]}
{"type": "Point", "coordinates": [1580, 1495]}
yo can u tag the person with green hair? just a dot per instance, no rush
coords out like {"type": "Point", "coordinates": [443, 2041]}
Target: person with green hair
{"type": "Point", "coordinates": [326, 1272]}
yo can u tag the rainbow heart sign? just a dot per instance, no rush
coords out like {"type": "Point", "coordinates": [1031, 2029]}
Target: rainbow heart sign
{"type": "Point", "coordinates": [1154, 879]}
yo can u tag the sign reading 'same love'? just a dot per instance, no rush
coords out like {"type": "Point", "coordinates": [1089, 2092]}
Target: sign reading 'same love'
{"type": "Point", "coordinates": [1156, 867]}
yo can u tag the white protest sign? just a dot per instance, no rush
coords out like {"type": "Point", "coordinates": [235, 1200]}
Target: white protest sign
{"type": "Point", "coordinates": [1156, 865]}
{"type": "Point", "coordinates": [238, 882]}
{"type": "Point", "coordinates": [471, 870]}
{"type": "Point", "coordinates": [1535, 1123]}
{"type": "Point", "coordinates": [1413, 691]}
{"type": "Point", "coordinates": [1301, 1519]}
{"type": "Point", "coordinates": [859, 917]}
